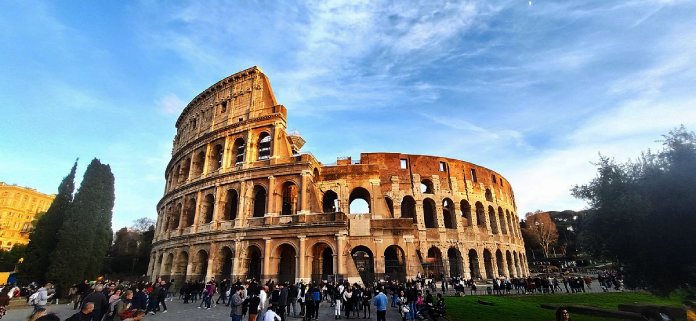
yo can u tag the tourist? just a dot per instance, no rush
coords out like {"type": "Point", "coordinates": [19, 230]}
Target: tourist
{"type": "Point", "coordinates": [348, 300]}
{"type": "Point", "coordinates": [338, 298]}
{"type": "Point", "coordinates": [254, 305]}
{"type": "Point", "coordinates": [48, 317]}
{"type": "Point", "coordinates": [316, 300]}
{"type": "Point", "coordinates": [380, 302]}
{"type": "Point", "coordinates": [236, 304]}
{"type": "Point", "coordinates": [101, 304]}
{"type": "Point", "coordinates": [366, 297]}
{"type": "Point", "coordinates": [4, 299]}
{"type": "Point", "coordinates": [85, 314]}
{"type": "Point", "coordinates": [310, 305]}
{"type": "Point", "coordinates": [271, 315]}
{"type": "Point", "coordinates": [402, 303]}
{"type": "Point", "coordinates": [42, 296]}
{"type": "Point", "coordinates": [282, 300]}
{"type": "Point", "coordinates": [562, 314]}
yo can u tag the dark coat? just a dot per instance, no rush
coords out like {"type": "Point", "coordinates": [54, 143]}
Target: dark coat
{"type": "Point", "coordinates": [81, 317]}
{"type": "Point", "coordinates": [101, 304]}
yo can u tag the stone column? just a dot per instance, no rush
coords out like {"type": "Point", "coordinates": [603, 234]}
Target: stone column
{"type": "Point", "coordinates": [266, 258]}
{"type": "Point", "coordinates": [304, 195]}
{"type": "Point", "coordinates": [181, 213]}
{"type": "Point", "coordinates": [302, 274]}
{"type": "Point", "coordinates": [226, 152]}
{"type": "Point", "coordinates": [242, 204]}
{"type": "Point", "coordinates": [271, 197]}
{"type": "Point", "coordinates": [340, 240]}
{"type": "Point", "coordinates": [506, 271]}
{"type": "Point", "coordinates": [206, 159]}
{"type": "Point", "coordinates": [211, 262]}
{"type": "Point", "coordinates": [466, 270]}
{"type": "Point", "coordinates": [374, 192]}
{"type": "Point", "coordinates": [162, 264]}
{"type": "Point", "coordinates": [216, 206]}
{"type": "Point", "coordinates": [439, 216]}
{"type": "Point", "coordinates": [482, 264]}
{"type": "Point", "coordinates": [197, 212]}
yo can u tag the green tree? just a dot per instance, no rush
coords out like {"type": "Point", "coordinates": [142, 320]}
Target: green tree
{"type": "Point", "coordinates": [86, 234]}
{"type": "Point", "coordinates": [9, 259]}
{"type": "Point", "coordinates": [642, 214]}
{"type": "Point", "coordinates": [44, 236]}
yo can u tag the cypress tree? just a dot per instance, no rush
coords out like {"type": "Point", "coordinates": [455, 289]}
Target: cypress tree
{"type": "Point", "coordinates": [82, 239]}
{"type": "Point", "coordinates": [43, 239]}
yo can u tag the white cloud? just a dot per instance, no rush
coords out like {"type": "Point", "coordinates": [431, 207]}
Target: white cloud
{"type": "Point", "coordinates": [170, 104]}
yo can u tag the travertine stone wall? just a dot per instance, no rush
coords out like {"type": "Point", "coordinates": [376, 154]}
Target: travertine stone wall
{"type": "Point", "coordinates": [242, 201]}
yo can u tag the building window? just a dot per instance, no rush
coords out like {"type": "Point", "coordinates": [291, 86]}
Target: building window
{"type": "Point", "coordinates": [473, 175]}
{"type": "Point", "coordinates": [493, 178]}
{"type": "Point", "coordinates": [443, 166]}
{"type": "Point", "coordinates": [404, 163]}
{"type": "Point", "coordinates": [223, 107]}
{"type": "Point", "coordinates": [264, 146]}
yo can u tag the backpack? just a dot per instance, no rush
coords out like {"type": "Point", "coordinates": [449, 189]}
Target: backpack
{"type": "Point", "coordinates": [33, 298]}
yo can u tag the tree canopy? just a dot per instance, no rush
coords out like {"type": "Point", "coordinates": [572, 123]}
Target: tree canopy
{"type": "Point", "coordinates": [642, 214]}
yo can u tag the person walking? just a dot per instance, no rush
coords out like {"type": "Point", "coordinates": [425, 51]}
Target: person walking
{"type": "Point", "coordinates": [402, 302]}
{"type": "Point", "coordinates": [338, 298]}
{"type": "Point", "coordinates": [380, 302]}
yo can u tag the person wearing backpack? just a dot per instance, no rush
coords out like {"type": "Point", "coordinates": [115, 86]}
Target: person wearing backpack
{"type": "Point", "coordinates": [41, 299]}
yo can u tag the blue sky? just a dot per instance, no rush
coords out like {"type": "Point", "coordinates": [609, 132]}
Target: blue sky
{"type": "Point", "coordinates": [534, 90]}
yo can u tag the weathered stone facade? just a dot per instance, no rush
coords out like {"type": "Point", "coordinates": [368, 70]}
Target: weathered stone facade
{"type": "Point", "coordinates": [241, 200]}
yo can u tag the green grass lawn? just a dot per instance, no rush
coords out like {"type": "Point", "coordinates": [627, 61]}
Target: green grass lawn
{"type": "Point", "coordinates": [527, 307]}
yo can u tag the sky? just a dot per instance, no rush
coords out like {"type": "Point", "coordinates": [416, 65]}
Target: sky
{"type": "Point", "coordinates": [535, 90]}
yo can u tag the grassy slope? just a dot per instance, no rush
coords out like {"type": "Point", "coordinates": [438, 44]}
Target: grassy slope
{"type": "Point", "coordinates": [522, 308]}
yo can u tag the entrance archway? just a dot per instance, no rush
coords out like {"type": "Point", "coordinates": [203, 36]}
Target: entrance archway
{"type": "Point", "coordinates": [429, 213]}
{"type": "Point", "coordinates": [253, 262]}
{"type": "Point", "coordinates": [359, 201]}
{"type": "Point", "coordinates": [499, 263]}
{"type": "Point", "coordinates": [455, 262]}
{"type": "Point", "coordinates": [289, 202]}
{"type": "Point", "coordinates": [329, 202]}
{"type": "Point", "coordinates": [225, 263]}
{"type": "Point", "coordinates": [488, 263]}
{"type": "Point", "coordinates": [286, 256]}
{"type": "Point", "coordinates": [322, 262]}
{"type": "Point", "coordinates": [364, 263]}
{"type": "Point", "coordinates": [408, 208]}
{"type": "Point", "coordinates": [200, 265]}
{"type": "Point", "coordinates": [448, 214]}
{"type": "Point", "coordinates": [395, 263]}
{"type": "Point", "coordinates": [166, 271]}
{"type": "Point", "coordinates": [179, 268]}
{"type": "Point", "coordinates": [259, 201]}
{"type": "Point", "coordinates": [474, 264]}
{"type": "Point", "coordinates": [433, 266]}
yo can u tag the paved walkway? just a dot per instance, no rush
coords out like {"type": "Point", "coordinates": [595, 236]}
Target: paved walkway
{"type": "Point", "coordinates": [177, 311]}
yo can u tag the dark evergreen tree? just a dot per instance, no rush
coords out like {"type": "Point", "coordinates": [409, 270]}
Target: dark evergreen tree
{"type": "Point", "coordinates": [85, 234]}
{"type": "Point", "coordinates": [44, 236]}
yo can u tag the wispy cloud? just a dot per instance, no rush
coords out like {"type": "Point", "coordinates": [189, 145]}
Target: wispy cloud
{"type": "Point", "coordinates": [170, 104]}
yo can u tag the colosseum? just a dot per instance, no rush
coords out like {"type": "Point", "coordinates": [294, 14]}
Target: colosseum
{"type": "Point", "coordinates": [243, 201]}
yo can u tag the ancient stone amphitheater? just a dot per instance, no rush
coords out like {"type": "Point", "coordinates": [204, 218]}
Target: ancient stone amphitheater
{"type": "Point", "coordinates": [243, 201]}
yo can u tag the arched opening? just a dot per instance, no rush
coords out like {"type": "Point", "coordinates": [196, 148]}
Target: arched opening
{"type": "Point", "coordinates": [174, 222]}
{"type": "Point", "coordinates": [390, 206]}
{"type": "Point", "coordinates": [511, 223]}
{"type": "Point", "coordinates": [238, 150]}
{"type": "Point", "coordinates": [225, 263]}
{"type": "Point", "coordinates": [322, 262]}
{"type": "Point", "coordinates": [511, 269]}
{"type": "Point", "coordinates": [518, 266]}
{"type": "Point", "coordinates": [429, 213]}
{"type": "Point", "coordinates": [216, 157]}
{"type": "Point", "coordinates": [501, 219]}
{"type": "Point", "coordinates": [359, 201]}
{"type": "Point", "coordinates": [466, 212]}
{"type": "Point", "coordinates": [264, 146]}
{"type": "Point", "coordinates": [489, 195]}
{"type": "Point", "coordinates": [480, 215]}
{"type": "Point", "coordinates": [329, 201]}
{"type": "Point", "coordinates": [426, 186]}
{"type": "Point", "coordinates": [286, 263]}
{"type": "Point", "coordinates": [408, 208]}
{"type": "Point", "coordinates": [488, 263]}
{"type": "Point", "coordinates": [231, 204]}
{"type": "Point", "coordinates": [289, 199]}
{"type": "Point", "coordinates": [190, 211]}
{"type": "Point", "coordinates": [200, 265]}
{"type": "Point", "coordinates": [180, 264]}
{"type": "Point", "coordinates": [448, 213]}
{"type": "Point", "coordinates": [208, 208]}
{"type": "Point", "coordinates": [499, 263]}
{"type": "Point", "coordinates": [433, 266]}
{"type": "Point", "coordinates": [198, 163]}
{"type": "Point", "coordinates": [166, 271]}
{"type": "Point", "coordinates": [493, 221]}
{"type": "Point", "coordinates": [185, 171]}
{"type": "Point", "coordinates": [315, 174]}
{"type": "Point", "coordinates": [253, 263]}
{"type": "Point", "coordinates": [175, 177]}
{"type": "Point", "coordinates": [455, 262]}
{"type": "Point", "coordinates": [364, 263]}
{"type": "Point", "coordinates": [259, 201]}
{"type": "Point", "coordinates": [395, 263]}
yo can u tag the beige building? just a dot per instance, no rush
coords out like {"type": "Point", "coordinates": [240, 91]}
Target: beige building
{"type": "Point", "coordinates": [18, 208]}
{"type": "Point", "coordinates": [242, 201]}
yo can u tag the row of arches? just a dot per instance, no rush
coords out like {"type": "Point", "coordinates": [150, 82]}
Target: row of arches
{"type": "Point", "coordinates": [284, 263]}
{"type": "Point", "coordinates": [201, 163]}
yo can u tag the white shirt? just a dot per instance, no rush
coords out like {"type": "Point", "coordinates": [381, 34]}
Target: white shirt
{"type": "Point", "coordinates": [270, 316]}
{"type": "Point", "coordinates": [262, 301]}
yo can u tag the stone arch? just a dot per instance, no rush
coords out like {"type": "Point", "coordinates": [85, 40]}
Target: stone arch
{"type": "Point", "coordinates": [168, 265]}
{"type": "Point", "coordinates": [511, 228]}
{"type": "Point", "coordinates": [488, 263]}
{"type": "Point", "coordinates": [502, 221]}
{"type": "Point", "coordinates": [259, 208]}
{"type": "Point", "coordinates": [511, 269]}
{"type": "Point", "coordinates": [216, 157]}
{"type": "Point", "coordinates": [238, 150]}
{"type": "Point", "coordinates": [426, 186]}
{"type": "Point", "coordinates": [322, 261]}
{"type": "Point", "coordinates": [408, 207]}
{"type": "Point", "coordinates": [198, 163]}
{"type": "Point", "coordinates": [290, 197]}
{"type": "Point", "coordinates": [253, 261]}
{"type": "Point", "coordinates": [286, 257]}
{"type": "Point", "coordinates": [492, 220]}
{"type": "Point", "coordinates": [264, 146]}
{"type": "Point", "coordinates": [499, 263]}
{"type": "Point", "coordinates": [231, 204]}
{"type": "Point", "coordinates": [184, 171]}
{"type": "Point", "coordinates": [329, 202]}
{"type": "Point", "coordinates": [225, 263]}
{"type": "Point", "coordinates": [200, 265]}
{"type": "Point", "coordinates": [355, 205]}
{"type": "Point", "coordinates": [364, 261]}
{"type": "Point", "coordinates": [489, 195]}
{"type": "Point", "coordinates": [448, 214]}
{"type": "Point", "coordinates": [433, 266]}
{"type": "Point", "coordinates": [454, 256]}
{"type": "Point", "coordinates": [208, 208]}
{"type": "Point", "coordinates": [180, 265]}
{"type": "Point", "coordinates": [174, 221]}
{"type": "Point", "coordinates": [480, 215]}
{"type": "Point", "coordinates": [395, 263]}
{"type": "Point", "coordinates": [466, 212]}
{"type": "Point", "coordinates": [517, 263]}
{"type": "Point", "coordinates": [429, 216]}
{"type": "Point", "coordinates": [390, 205]}
{"type": "Point", "coordinates": [190, 211]}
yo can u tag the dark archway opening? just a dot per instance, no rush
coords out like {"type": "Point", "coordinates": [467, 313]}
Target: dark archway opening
{"type": "Point", "coordinates": [259, 201]}
{"type": "Point", "coordinates": [232, 205]}
{"type": "Point", "coordinates": [429, 213]}
{"type": "Point", "coordinates": [329, 201]}
{"type": "Point", "coordinates": [455, 262]}
{"type": "Point", "coordinates": [408, 208]}
{"type": "Point", "coordinates": [474, 264]}
{"type": "Point", "coordinates": [254, 263]}
{"type": "Point", "coordinates": [364, 263]}
{"type": "Point", "coordinates": [286, 263]}
{"type": "Point", "coordinates": [290, 194]}
{"type": "Point", "coordinates": [395, 264]}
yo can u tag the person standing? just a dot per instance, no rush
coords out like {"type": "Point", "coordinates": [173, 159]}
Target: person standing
{"type": "Point", "coordinates": [366, 297]}
{"type": "Point", "coordinates": [101, 304]}
{"type": "Point", "coordinates": [380, 302]}
{"type": "Point", "coordinates": [85, 314]}
{"type": "Point", "coordinates": [236, 303]}
{"type": "Point", "coordinates": [402, 302]}
{"type": "Point", "coordinates": [338, 298]}
{"type": "Point", "coordinates": [348, 300]}
{"type": "Point", "coordinates": [254, 305]}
